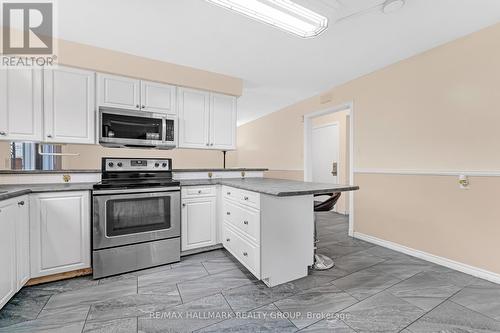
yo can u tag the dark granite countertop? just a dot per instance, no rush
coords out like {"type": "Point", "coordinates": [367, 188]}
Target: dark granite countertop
{"type": "Point", "coordinates": [271, 186]}
{"type": "Point", "coordinates": [16, 190]}
{"type": "Point", "coordinates": [219, 169]}
{"type": "Point", "coordinates": [34, 172]}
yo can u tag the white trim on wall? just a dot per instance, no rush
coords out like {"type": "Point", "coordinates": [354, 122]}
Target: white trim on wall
{"type": "Point", "coordinates": [458, 266]}
{"type": "Point", "coordinates": [307, 154]}
{"type": "Point", "coordinates": [472, 173]}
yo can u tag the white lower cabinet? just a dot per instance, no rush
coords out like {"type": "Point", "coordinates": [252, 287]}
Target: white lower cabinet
{"type": "Point", "coordinates": [198, 217]}
{"type": "Point", "coordinates": [59, 232]}
{"type": "Point", "coordinates": [14, 247]}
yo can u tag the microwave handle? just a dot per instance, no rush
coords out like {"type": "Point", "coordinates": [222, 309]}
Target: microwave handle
{"type": "Point", "coordinates": [164, 130]}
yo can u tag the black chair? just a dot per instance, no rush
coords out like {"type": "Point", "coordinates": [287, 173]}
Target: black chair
{"type": "Point", "coordinates": [322, 262]}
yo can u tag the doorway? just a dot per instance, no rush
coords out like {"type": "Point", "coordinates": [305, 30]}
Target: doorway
{"type": "Point", "coordinates": [328, 152]}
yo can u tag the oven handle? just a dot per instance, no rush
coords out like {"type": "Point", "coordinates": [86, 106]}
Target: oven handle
{"type": "Point", "coordinates": [137, 190]}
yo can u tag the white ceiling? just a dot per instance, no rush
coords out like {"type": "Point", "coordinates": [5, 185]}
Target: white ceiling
{"type": "Point", "coordinates": [278, 69]}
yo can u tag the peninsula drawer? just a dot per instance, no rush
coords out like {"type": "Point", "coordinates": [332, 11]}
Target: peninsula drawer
{"type": "Point", "coordinates": [244, 197]}
{"type": "Point", "coordinates": [198, 191]}
{"type": "Point", "coordinates": [247, 253]}
{"type": "Point", "coordinates": [246, 220]}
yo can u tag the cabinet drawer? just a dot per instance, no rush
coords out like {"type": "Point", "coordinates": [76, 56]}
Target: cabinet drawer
{"type": "Point", "coordinates": [244, 197]}
{"type": "Point", "coordinates": [246, 220]}
{"type": "Point", "coordinates": [247, 253]}
{"type": "Point", "coordinates": [198, 191]}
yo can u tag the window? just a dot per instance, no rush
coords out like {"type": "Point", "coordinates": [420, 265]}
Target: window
{"type": "Point", "coordinates": [24, 156]}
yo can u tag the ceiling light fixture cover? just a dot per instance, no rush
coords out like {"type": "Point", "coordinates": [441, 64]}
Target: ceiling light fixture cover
{"type": "Point", "coordinates": [283, 14]}
{"type": "Point", "coordinates": [391, 6]}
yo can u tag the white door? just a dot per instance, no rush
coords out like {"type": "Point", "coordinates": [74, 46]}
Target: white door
{"type": "Point", "coordinates": [8, 219]}
{"type": "Point", "coordinates": [325, 152]}
{"type": "Point", "coordinates": [22, 241]}
{"type": "Point", "coordinates": [60, 232]}
{"type": "Point", "coordinates": [118, 91]}
{"type": "Point", "coordinates": [222, 122]}
{"type": "Point", "coordinates": [21, 104]}
{"type": "Point", "coordinates": [158, 97]}
{"type": "Point", "coordinates": [198, 223]}
{"type": "Point", "coordinates": [194, 112]}
{"type": "Point", "coordinates": [69, 101]}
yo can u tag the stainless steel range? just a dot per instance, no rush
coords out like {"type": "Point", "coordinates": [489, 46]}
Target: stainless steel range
{"type": "Point", "coordinates": [136, 216]}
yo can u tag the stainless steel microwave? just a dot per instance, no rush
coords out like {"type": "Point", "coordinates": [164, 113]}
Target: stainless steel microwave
{"type": "Point", "coordinates": [120, 128]}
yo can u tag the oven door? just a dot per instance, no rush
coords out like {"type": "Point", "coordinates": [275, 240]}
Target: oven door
{"type": "Point", "coordinates": [122, 218]}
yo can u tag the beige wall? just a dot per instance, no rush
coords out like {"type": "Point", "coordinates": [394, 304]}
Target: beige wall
{"type": "Point", "coordinates": [103, 60]}
{"type": "Point", "coordinates": [342, 119]}
{"type": "Point", "coordinates": [90, 156]}
{"type": "Point", "coordinates": [436, 111]}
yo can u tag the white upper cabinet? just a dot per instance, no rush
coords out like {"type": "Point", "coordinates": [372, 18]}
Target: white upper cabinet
{"type": "Point", "coordinates": [194, 113]}
{"type": "Point", "coordinates": [118, 91]}
{"type": "Point", "coordinates": [21, 104]}
{"type": "Point", "coordinates": [69, 105]}
{"type": "Point", "coordinates": [59, 232]}
{"type": "Point", "coordinates": [123, 92]}
{"type": "Point", "coordinates": [206, 120]}
{"type": "Point", "coordinates": [222, 122]}
{"type": "Point", "coordinates": [158, 97]}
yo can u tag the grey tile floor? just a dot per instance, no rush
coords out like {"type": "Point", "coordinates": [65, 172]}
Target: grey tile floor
{"type": "Point", "coordinates": [371, 289]}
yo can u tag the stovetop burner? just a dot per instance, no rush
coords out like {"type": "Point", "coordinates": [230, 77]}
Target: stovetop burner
{"type": "Point", "coordinates": [126, 173]}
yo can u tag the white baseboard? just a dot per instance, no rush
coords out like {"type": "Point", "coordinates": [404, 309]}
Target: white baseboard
{"type": "Point", "coordinates": [458, 266]}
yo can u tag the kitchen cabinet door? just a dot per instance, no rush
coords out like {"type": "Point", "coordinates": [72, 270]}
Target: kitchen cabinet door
{"type": "Point", "coordinates": [22, 241]}
{"type": "Point", "coordinates": [158, 97]}
{"type": "Point", "coordinates": [118, 91]}
{"type": "Point", "coordinates": [222, 122]}
{"type": "Point", "coordinates": [21, 104]}
{"type": "Point", "coordinates": [69, 105]}
{"type": "Point", "coordinates": [198, 223]}
{"type": "Point", "coordinates": [60, 232]}
{"type": "Point", "coordinates": [194, 113]}
{"type": "Point", "coordinates": [8, 219]}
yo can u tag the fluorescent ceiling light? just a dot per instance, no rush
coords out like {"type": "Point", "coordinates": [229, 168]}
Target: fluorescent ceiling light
{"type": "Point", "coordinates": [283, 14]}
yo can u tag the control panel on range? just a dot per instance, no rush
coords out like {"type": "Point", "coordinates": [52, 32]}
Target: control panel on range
{"type": "Point", "coordinates": [125, 164]}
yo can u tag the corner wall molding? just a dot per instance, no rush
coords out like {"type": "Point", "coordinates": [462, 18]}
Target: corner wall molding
{"type": "Point", "coordinates": [458, 266]}
{"type": "Point", "coordinates": [475, 173]}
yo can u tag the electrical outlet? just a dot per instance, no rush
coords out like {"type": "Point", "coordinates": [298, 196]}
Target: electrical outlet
{"type": "Point", "coordinates": [463, 181]}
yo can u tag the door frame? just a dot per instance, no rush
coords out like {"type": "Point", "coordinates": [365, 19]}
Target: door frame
{"type": "Point", "coordinates": [307, 149]}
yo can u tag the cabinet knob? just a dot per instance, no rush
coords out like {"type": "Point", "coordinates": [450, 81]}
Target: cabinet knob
{"type": "Point", "coordinates": [228, 239]}
{"type": "Point", "coordinates": [137, 105]}
{"type": "Point", "coordinates": [228, 193]}
{"type": "Point", "coordinates": [245, 222]}
{"type": "Point", "coordinates": [143, 106]}
{"type": "Point", "coordinates": [211, 144]}
{"type": "Point", "coordinates": [245, 254]}
{"type": "Point", "coordinates": [183, 205]}
{"type": "Point", "coordinates": [49, 135]}
{"type": "Point", "coordinates": [246, 198]}
{"type": "Point", "coordinates": [228, 213]}
{"type": "Point", "coordinates": [208, 144]}
{"type": "Point", "coordinates": [3, 133]}
{"type": "Point", "coordinates": [21, 203]}
{"type": "Point", "coordinates": [199, 191]}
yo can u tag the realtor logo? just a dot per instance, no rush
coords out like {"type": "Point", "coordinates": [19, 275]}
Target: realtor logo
{"type": "Point", "coordinates": [27, 28]}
